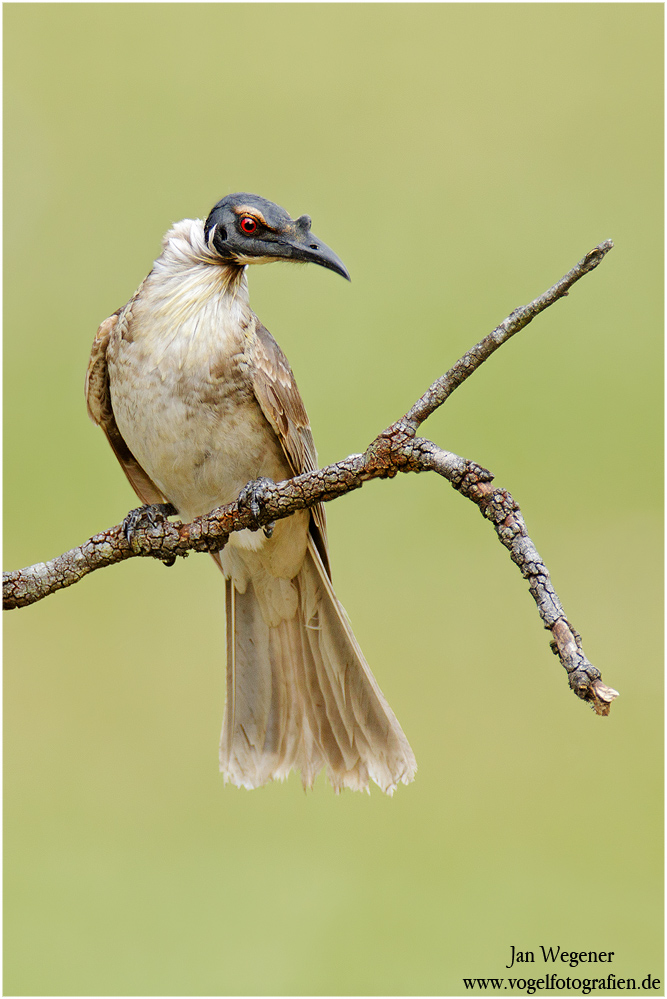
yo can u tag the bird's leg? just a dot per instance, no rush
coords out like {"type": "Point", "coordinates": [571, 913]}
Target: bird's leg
{"type": "Point", "coordinates": [145, 517]}
{"type": "Point", "coordinates": [253, 496]}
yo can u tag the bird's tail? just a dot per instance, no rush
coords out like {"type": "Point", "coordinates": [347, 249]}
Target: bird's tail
{"type": "Point", "coordinates": [300, 693]}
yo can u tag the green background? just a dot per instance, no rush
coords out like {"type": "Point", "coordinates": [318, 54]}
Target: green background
{"type": "Point", "coordinates": [459, 158]}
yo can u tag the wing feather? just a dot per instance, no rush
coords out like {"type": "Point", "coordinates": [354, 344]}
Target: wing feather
{"type": "Point", "coordinates": [277, 393]}
{"type": "Point", "coordinates": [100, 410]}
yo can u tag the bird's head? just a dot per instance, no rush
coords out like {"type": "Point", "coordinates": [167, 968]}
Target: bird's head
{"type": "Point", "coordinates": [246, 229]}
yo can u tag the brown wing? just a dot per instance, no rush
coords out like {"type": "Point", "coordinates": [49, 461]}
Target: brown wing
{"type": "Point", "coordinates": [276, 391]}
{"type": "Point", "coordinates": [98, 398]}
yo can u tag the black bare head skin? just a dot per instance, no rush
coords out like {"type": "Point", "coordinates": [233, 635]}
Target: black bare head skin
{"type": "Point", "coordinates": [247, 229]}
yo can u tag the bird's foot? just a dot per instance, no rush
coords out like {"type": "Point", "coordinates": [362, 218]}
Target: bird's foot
{"type": "Point", "coordinates": [146, 517]}
{"type": "Point", "coordinates": [254, 496]}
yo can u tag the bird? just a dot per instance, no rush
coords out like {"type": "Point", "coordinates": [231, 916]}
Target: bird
{"type": "Point", "coordinates": [198, 402]}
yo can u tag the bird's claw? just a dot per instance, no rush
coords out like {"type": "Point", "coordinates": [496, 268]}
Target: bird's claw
{"type": "Point", "coordinates": [253, 496]}
{"type": "Point", "coordinates": [146, 517]}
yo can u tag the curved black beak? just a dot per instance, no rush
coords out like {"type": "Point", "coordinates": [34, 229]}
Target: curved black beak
{"type": "Point", "coordinates": [303, 245]}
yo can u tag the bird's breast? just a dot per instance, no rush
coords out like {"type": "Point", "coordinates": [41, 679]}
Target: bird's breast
{"type": "Point", "coordinates": [183, 400]}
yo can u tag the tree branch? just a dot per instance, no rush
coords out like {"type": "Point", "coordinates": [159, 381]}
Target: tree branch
{"type": "Point", "coordinates": [396, 449]}
{"type": "Point", "coordinates": [517, 320]}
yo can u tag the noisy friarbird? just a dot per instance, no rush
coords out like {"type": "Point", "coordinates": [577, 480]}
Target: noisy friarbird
{"type": "Point", "coordinates": [197, 400]}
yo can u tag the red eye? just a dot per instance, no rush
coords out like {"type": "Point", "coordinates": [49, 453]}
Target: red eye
{"type": "Point", "coordinates": [248, 224]}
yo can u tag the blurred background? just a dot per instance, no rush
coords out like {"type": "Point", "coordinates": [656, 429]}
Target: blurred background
{"type": "Point", "coordinates": [460, 159]}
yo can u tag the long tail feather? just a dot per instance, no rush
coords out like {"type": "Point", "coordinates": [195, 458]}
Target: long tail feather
{"type": "Point", "coordinates": [300, 693]}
